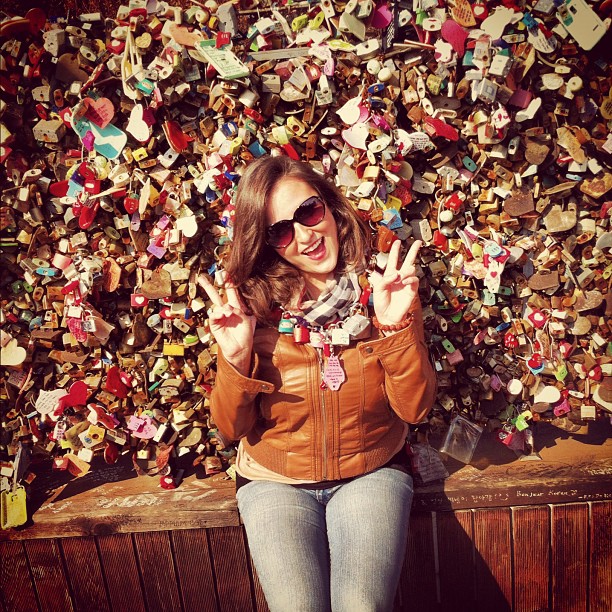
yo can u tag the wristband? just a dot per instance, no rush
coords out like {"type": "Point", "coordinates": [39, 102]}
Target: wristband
{"type": "Point", "coordinates": [395, 326]}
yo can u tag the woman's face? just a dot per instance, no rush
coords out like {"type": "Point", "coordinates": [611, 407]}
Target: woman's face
{"type": "Point", "coordinates": [313, 250]}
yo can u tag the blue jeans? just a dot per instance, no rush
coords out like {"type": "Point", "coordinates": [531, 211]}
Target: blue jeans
{"type": "Point", "coordinates": [339, 549]}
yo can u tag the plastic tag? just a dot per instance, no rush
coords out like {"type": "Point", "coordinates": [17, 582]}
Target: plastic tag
{"type": "Point", "coordinates": [582, 22]}
{"type": "Point", "coordinates": [13, 508]}
{"type": "Point", "coordinates": [224, 62]}
{"type": "Point", "coordinates": [461, 439]}
{"type": "Point", "coordinates": [334, 375]}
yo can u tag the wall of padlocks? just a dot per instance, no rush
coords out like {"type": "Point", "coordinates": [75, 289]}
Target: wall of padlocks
{"type": "Point", "coordinates": [481, 128]}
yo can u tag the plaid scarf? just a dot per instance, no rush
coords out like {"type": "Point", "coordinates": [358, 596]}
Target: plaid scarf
{"type": "Point", "coordinates": [335, 303]}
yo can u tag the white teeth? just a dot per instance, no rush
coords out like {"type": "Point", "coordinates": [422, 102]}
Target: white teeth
{"type": "Point", "coordinates": [313, 247]}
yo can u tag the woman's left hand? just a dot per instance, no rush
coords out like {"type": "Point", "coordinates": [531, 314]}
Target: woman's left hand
{"type": "Point", "coordinates": [396, 289]}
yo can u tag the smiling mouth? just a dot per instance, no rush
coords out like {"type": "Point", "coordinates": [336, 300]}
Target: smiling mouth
{"type": "Point", "coordinates": [314, 249]}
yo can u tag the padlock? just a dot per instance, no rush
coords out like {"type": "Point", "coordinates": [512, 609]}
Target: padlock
{"type": "Point", "coordinates": [286, 325]}
{"type": "Point", "coordinates": [301, 334]}
{"type": "Point", "coordinates": [340, 337]}
{"type": "Point", "coordinates": [358, 326]}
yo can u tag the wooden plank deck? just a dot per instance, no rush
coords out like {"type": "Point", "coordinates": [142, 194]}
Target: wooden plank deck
{"type": "Point", "coordinates": [553, 557]}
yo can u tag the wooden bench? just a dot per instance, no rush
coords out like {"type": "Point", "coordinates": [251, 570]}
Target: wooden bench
{"type": "Point", "coordinates": [499, 534]}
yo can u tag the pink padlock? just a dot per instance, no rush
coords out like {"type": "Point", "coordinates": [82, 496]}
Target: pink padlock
{"type": "Point", "coordinates": [562, 408]}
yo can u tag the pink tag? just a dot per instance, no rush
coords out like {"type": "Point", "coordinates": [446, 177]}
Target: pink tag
{"type": "Point", "coordinates": [329, 67]}
{"type": "Point", "coordinates": [156, 250]}
{"type": "Point", "coordinates": [334, 375]}
{"type": "Point", "coordinates": [382, 17]}
{"type": "Point", "coordinates": [88, 140]}
{"type": "Point", "coordinates": [495, 382]}
{"type": "Point", "coordinates": [454, 34]}
{"type": "Point", "coordinates": [76, 328]}
{"type": "Point", "coordinates": [99, 111]}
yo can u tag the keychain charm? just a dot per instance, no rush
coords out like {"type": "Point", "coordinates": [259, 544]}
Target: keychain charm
{"type": "Point", "coordinates": [333, 375]}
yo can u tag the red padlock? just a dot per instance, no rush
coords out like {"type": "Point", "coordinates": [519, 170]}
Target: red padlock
{"type": "Point", "coordinates": [454, 202]}
{"type": "Point", "coordinates": [301, 335]}
{"type": "Point", "coordinates": [537, 318]}
{"type": "Point", "coordinates": [93, 186]}
{"type": "Point", "coordinates": [510, 340]}
{"type": "Point", "coordinates": [595, 373]}
{"type": "Point", "coordinates": [566, 349]}
{"type": "Point", "coordinates": [535, 361]}
{"type": "Point", "coordinates": [440, 240]}
{"type": "Point", "coordinates": [130, 204]}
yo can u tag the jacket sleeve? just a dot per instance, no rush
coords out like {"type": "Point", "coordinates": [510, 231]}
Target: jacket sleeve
{"type": "Point", "coordinates": [233, 402]}
{"type": "Point", "coordinates": [410, 380]}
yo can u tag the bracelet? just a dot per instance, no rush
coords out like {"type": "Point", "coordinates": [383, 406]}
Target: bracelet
{"type": "Point", "coordinates": [395, 326]}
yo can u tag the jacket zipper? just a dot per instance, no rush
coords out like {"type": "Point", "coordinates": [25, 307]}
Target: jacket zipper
{"type": "Point", "coordinates": [324, 434]}
{"type": "Point", "coordinates": [323, 415]}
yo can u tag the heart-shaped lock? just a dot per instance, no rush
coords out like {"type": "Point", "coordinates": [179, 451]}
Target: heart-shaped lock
{"type": "Point", "coordinates": [76, 396]}
{"type": "Point", "coordinates": [137, 126]}
{"type": "Point", "coordinates": [177, 139]}
{"type": "Point", "coordinates": [455, 35]}
{"type": "Point", "coordinates": [68, 70]}
{"type": "Point", "coordinates": [535, 363]}
{"type": "Point", "coordinates": [11, 354]}
{"type": "Point", "coordinates": [114, 384]}
{"type": "Point", "coordinates": [48, 401]}
{"type": "Point", "coordinates": [75, 325]}
{"type": "Point", "coordinates": [510, 340]}
{"type": "Point", "coordinates": [142, 427]}
{"type": "Point", "coordinates": [356, 136]}
{"type": "Point", "coordinates": [100, 111]}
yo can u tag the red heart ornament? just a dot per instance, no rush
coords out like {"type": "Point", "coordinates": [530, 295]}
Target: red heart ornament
{"type": "Point", "coordinates": [177, 139]}
{"type": "Point", "coordinates": [510, 340]}
{"type": "Point", "coordinates": [59, 189]}
{"type": "Point", "coordinates": [535, 361]}
{"type": "Point", "coordinates": [77, 396]}
{"type": "Point", "coordinates": [114, 384]}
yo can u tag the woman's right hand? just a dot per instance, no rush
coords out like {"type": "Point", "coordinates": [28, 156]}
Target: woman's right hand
{"type": "Point", "coordinates": [230, 325]}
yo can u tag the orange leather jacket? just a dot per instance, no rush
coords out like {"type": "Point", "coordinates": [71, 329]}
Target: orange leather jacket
{"type": "Point", "coordinates": [292, 426]}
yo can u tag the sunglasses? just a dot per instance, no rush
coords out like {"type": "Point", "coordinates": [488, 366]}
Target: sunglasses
{"type": "Point", "coordinates": [309, 213]}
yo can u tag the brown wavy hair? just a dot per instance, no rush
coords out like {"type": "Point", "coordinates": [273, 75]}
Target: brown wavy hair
{"type": "Point", "coordinates": [263, 278]}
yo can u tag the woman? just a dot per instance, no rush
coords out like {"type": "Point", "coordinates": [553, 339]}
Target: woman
{"type": "Point", "coordinates": [319, 406]}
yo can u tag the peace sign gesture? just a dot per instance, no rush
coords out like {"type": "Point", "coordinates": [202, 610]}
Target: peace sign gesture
{"type": "Point", "coordinates": [230, 325]}
{"type": "Point", "coordinates": [396, 289]}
